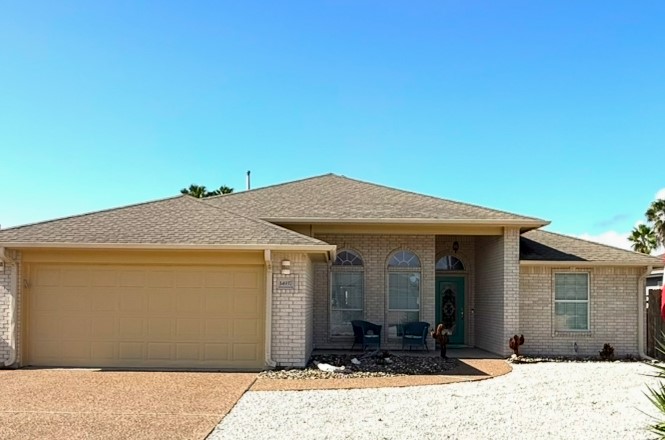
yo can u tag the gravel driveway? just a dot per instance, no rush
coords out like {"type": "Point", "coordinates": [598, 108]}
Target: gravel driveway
{"type": "Point", "coordinates": [547, 400]}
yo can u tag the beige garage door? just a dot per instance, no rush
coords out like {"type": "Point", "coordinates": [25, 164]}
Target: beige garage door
{"type": "Point", "coordinates": [145, 316]}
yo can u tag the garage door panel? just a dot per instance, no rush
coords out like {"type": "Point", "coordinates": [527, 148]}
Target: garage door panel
{"type": "Point", "coordinates": [75, 327]}
{"type": "Point", "coordinates": [217, 303]}
{"type": "Point", "coordinates": [76, 350]}
{"type": "Point", "coordinates": [159, 351]}
{"type": "Point", "coordinates": [45, 327]}
{"type": "Point", "coordinates": [217, 352]}
{"type": "Point", "coordinates": [245, 352]}
{"type": "Point", "coordinates": [103, 278]}
{"type": "Point", "coordinates": [161, 302]}
{"type": "Point", "coordinates": [105, 328]}
{"type": "Point", "coordinates": [189, 303]}
{"type": "Point", "coordinates": [217, 330]}
{"type": "Point", "coordinates": [160, 329]}
{"type": "Point", "coordinates": [190, 279]}
{"type": "Point", "coordinates": [145, 316]}
{"type": "Point", "coordinates": [44, 277]}
{"type": "Point", "coordinates": [75, 278]}
{"type": "Point", "coordinates": [218, 279]}
{"type": "Point", "coordinates": [131, 278]}
{"type": "Point", "coordinates": [188, 329]}
{"type": "Point", "coordinates": [104, 351]}
{"type": "Point", "coordinates": [75, 299]}
{"type": "Point", "coordinates": [131, 328]}
{"type": "Point", "coordinates": [158, 278]}
{"type": "Point", "coordinates": [104, 299]}
{"type": "Point", "coordinates": [45, 349]}
{"type": "Point", "coordinates": [188, 352]}
{"type": "Point", "coordinates": [131, 351]}
{"type": "Point", "coordinates": [133, 301]}
{"type": "Point", "coordinates": [246, 280]}
{"type": "Point", "coordinates": [244, 329]}
{"type": "Point", "coordinates": [245, 305]}
{"type": "Point", "coordinates": [46, 301]}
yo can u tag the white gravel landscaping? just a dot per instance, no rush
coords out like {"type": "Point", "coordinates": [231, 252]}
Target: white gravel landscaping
{"type": "Point", "coordinates": [535, 401]}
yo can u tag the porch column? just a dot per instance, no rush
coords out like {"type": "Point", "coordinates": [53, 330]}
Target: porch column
{"type": "Point", "coordinates": [511, 286]}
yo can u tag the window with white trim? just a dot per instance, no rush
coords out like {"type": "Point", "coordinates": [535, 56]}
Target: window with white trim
{"type": "Point", "coordinates": [347, 293]}
{"type": "Point", "coordinates": [403, 291]}
{"type": "Point", "coordinates": [571, 301]}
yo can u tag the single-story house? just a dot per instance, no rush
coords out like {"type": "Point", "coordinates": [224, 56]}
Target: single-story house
{"type": "Point", "coordinates": [260, 278]}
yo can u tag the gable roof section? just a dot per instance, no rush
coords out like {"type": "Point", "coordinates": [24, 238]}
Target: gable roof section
{"type": "Point", "coordinates": [181, 221]}
{"type": "Point", "coordinates": [544, 246]}
{"type": "Point", "coordinates": [335, 199]}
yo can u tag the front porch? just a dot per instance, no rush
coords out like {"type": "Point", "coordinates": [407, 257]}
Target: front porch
{"type": "Point", "coordinates": [469, 283]}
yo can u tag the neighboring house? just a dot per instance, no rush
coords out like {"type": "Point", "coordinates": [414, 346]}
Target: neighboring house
{"type": "Point", "coordinates": [261, 278]}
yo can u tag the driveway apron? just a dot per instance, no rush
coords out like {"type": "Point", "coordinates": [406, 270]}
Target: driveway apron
{"type": "Point", "coordinates": [82, 403]}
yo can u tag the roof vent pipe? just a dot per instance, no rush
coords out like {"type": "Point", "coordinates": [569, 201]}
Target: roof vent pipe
{"type": "Point", "coordinates": [249, 186]}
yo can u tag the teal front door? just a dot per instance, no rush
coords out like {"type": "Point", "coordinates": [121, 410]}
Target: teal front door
{"type": "Point", "coordinates": [450, 306]}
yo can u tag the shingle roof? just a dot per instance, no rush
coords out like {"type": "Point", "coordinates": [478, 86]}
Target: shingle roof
{"type": "Point", "coordinates": [541, 245]}
{"type": "Point", "coordinates": [332, 197]}
{"type": "Point", "coordinates": [181, 220]}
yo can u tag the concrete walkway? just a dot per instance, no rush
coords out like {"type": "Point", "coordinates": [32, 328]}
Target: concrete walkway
{"type": "Point", "coordinates": [78, 403]}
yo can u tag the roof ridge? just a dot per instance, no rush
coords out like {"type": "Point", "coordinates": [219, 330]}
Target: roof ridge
{"type": "Point", "coordinates": [271, 186]}
{"type": "Point", "coordinates": [594, 242]}
{"type": "Point", "coordinates": [440, 198]}
{"type": "Point", "coordinates": [259, 221]}
{"type": "Point", "coordinates": [67, 217]}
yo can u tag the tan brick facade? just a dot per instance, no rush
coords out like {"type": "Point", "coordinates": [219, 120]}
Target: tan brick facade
{"type": "Point", "coordinates": [375, 251]}
{"type": "Point", "coordinates": [292, 311]}
{"type": "Point", "coordinates": [9, 301]}
{"type": "Point", "coordinates": [613, 312]}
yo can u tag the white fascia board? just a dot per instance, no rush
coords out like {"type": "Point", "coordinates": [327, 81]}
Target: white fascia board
{"type": "Point", "coordinates": [403, 221]}
{"type": "Point", "coordinates": [313, 248]}
{"type": "Point", "coordinates": [582, 263]}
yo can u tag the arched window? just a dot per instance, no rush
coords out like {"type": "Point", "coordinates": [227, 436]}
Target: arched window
{"type": "Point", "coordinates": [347, 292]}
{"type": "Point", "coordinates": [448, 262]}
{"type": "Point", "coordinates": [404, 274]}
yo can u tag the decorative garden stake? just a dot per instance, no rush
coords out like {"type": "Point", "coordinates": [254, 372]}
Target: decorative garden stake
{"type": "Point", "coordinates": [440, 335]}
{"type": "Point", "coordinates": [515, 342]}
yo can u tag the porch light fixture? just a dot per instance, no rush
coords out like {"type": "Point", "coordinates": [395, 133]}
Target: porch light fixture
{"type": "Point", "coordinates": [455, 246]}
{"type": "Point", "coordinates": [286, 267]}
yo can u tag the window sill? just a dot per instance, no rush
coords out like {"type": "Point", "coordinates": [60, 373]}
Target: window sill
{"type": "Point", "coordinates": [575, 333]}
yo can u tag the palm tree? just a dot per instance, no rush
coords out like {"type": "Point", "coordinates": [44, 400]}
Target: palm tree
{"type": "Point", "coordinates": [656, 216]}
{"type": "Point", "coordinates": [195, 191]}
{"type": "Point", "coordinates": [201, 192]}
{"type": "Point", "coordinates": [644, 239]}
{"type": "Point", "coordinates": [221, 190]}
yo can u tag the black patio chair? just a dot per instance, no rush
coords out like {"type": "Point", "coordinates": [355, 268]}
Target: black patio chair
{"type": "Point", "coordinates": [366, 334]}
{"type": "Point", "coordinates": [415, 334]}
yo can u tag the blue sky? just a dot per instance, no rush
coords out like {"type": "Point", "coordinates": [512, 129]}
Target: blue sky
{"type": "Point", "coordinates": [549, 109]}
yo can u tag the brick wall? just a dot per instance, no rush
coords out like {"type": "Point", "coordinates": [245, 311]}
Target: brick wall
{"type": "Point", "coordinates": [8, 295]}
{"type": "Point", "coordinates": [511, 286]}
{"type": "Point", "coordinates": [375, 250]}
{"type": "Point", "coordinates": [613, 312]}
{"type": "Point", "coordinates": [292, 311]}
{"type": "Point", "coordinates": [488, 310]}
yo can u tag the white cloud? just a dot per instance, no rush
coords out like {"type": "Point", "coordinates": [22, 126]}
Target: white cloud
{"type": "Point", "coordinates": [612, 238]}
{"type": "Point", "coordinates": [660, 194]}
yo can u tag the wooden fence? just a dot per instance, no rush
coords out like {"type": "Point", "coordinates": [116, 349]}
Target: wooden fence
{"type": "Point", "coordinates": [655, 324]}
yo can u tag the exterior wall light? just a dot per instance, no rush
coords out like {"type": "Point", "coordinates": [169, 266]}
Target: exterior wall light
{"type": "Point", "coordinates": [455, 246]}
{"type": "Point", "coordinates": [286, 267]}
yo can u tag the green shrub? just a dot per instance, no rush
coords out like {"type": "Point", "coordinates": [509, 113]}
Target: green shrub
{"type": "Point", "coordinates": [657, 394]}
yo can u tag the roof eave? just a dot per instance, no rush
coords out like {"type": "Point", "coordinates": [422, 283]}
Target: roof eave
{"type": "Point", "coordinates": [309, 248]}
{"type": "Point", "coordinates": [535, 223]}
{"type": "Point", "coordinates": [584, 263]}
